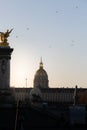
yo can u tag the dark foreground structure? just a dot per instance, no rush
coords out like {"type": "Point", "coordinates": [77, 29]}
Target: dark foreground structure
{"type": "Point", "coordinates": [20, 116]}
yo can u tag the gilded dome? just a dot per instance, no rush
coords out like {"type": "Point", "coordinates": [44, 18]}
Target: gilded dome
{"type": "Point", "coordinates": [41, 77]}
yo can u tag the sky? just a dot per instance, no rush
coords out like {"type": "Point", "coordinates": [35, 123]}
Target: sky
{"type": "Point", "coordinates": [55, 30]}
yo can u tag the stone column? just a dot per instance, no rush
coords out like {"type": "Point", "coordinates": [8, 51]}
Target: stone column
{"type": "Point", "coordinates": [5, 56]}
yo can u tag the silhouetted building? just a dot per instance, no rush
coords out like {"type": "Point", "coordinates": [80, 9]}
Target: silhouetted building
{"type": "Point", "coordinates": [41, 77]}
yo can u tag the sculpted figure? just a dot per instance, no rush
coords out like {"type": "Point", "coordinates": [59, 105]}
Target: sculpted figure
{"type": "Point", "coordinates": [4, 36]}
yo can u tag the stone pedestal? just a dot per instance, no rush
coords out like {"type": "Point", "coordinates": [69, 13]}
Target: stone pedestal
{"type": "Point", "coordinates": [5, 56]}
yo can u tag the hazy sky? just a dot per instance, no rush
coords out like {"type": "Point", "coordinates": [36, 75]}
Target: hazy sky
{"type": "Point", "coordinates": [53, 29]}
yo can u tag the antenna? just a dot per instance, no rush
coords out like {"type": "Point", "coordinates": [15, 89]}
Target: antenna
{"type": "Point", "coordinates": [26, 83]}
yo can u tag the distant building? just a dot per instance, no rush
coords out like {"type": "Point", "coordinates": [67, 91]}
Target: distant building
{"type": "Point", "coordinates": [41, 89]}
{"type": "Point", "coordinates": [41, 77]}
{"type": "Point", "coordinates": [47, 94]}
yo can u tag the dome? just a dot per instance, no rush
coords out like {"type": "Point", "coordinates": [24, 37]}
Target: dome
{"type": "Point", "coordinates": [41, 77]}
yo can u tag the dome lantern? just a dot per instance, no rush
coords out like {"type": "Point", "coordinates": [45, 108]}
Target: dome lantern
{"type": "Point", "coordinates": [41, 64]}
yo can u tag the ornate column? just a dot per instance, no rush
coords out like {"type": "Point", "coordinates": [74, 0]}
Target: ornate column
{"type": "Point", "coordinates": [5, 56]}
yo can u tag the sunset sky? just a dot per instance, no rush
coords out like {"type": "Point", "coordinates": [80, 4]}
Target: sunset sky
{"type": "Point", "coordinates": [55, 30]}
